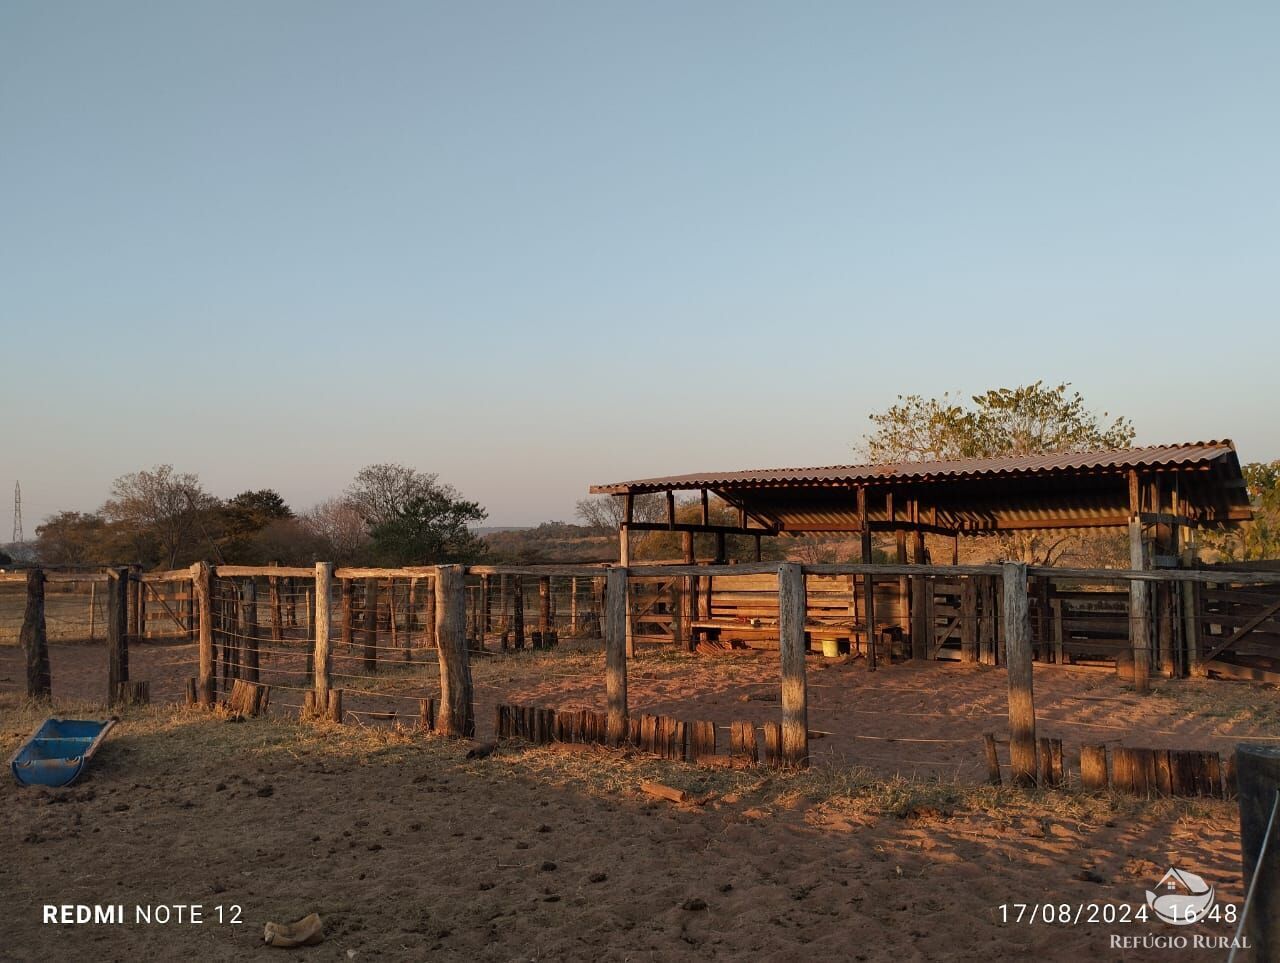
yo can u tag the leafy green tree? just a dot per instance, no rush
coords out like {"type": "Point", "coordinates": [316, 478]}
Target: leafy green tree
{"type": "Point", "coordinates": [429, 528]}
{"type": "Point", "coordinates": [1260, 539]}
{"type": "Point", "coordinates": [1026, 420]}
{"type": "Point", "coordinates": [1032, 419]}
{"type": "Point", "coordinates": [413, 518]}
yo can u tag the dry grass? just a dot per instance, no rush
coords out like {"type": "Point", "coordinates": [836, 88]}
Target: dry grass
{"type": "Point", "coordinates": [167, 738]}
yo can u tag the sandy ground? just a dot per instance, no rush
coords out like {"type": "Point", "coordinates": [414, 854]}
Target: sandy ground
{"type": "Point", "coordinates": [408, 850]}
{"type": "Point", "coordinates": [917, 720]}
{"type": "Point", "coordinates": [888, 849]}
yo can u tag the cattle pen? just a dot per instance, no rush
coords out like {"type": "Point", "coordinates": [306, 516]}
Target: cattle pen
{"type": "Point", "coordinates": [446, 648]}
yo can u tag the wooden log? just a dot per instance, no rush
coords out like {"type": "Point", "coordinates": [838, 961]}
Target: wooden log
{"type": "Point", "coordinates": [1093, 768]}
{"type": "Point", "coordinates": [616, 593]}
{"type": "Point", "coordinates": [1139, 619]}
{"type": "Point", "coordinates": [133, 693]}
{"type": "Point", "coordinates": [772, 744]}
{"type": "Point", "coordinates": [968, 619]}
{"type": "Point", "coordinates": [742, 742]}
{"type": "Point", "coordinates": [1043, 761]}
{"type": "Point", "coordinates": [201, 583]}
{"type": "Point", "coordinates": [680, 741]}
{"type": "Point", "coordinates": [1258, 780]}
{"type": "Point", "coordinates": [370, 625]}
{"type": "Point", "coordinates": [868, 582]}
{"type": "Point", "coordinates": [517, 613]}
{"type": "Point", "coordinates": [457, 703]}
{"type": "Point", "coordinates": [190, 697]}
{"type": "Point", "coordinates": [322, 658]}
{"type": "Point", "coordinates": [117, 631]}
{"type": "Point", "coordinates": [663, 791]}
{"type": "Point", "coordinates": [921, 630]}
{"type": "Point", "coordinates": [427, 715]}
{"type": "Point", "coordinates": [308, 705]}
{"type": "Point", "coordinates": [1133, 770]}
{"type": "Point", "coordinates": [348, 611]}
{"type": "Point", "coordinates": [1022, 712]}
{"type": "Point", "coordinates": [135, 599]}
{"type": "Point", "coordinates": [249, 630]}
{"type": "Point", "coordinates": [334, 705]}
{"type": "Point", "coordinates": [791, 641]}
{"type": "Point", "coordinates": [34, 639]}
{"type": "Point", "coordinates": [993, 759]}
{"type": "Point", "coordinates": [1057, 774]}
{"type": "Point", "coordinates": [277, 612]}
{"type": "Point", "coordinates": [704, 740]}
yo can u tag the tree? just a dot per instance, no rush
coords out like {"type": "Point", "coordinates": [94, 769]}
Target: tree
{"type": "Point", "coordinates": [243, 518]}
{"type": "Point", "coordinates": [340, 527]}
{"type": "Point", "coordinates": [1260, 538]}
{"type": "Point", "coordinates": [72, 538]}
{"type": "Point", "coordinates": [413, 518]}
{"type": "Point", "coordinates": [605, 513]}
{"type": "Point", "coordinates": [430, 528]}
{"type": "Point", "coordinates": [163, 505]}
{"type": "Point", "coordinates": [1026, 420]}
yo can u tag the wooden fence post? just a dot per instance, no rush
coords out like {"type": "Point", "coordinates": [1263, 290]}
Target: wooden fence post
{"type": "Point", "coordinates": [795, 704]}
{"type": "Point", "coordinates": [323, 660]}
{"type": "Point", "coordinates": [117, 631]}
{"type": "Point", "coordinates": [249, 622]}
{"type": "Point", "coordinates": [1258, 782]}
{"type": "Point", "coordinates": [370, 624]}
{"type": "Point", "coordinates": [1017, 646]}
{"type": "Point", "coordinates": [201, 580]}
{"type": "Point", "coordinates": [35, 639]}
{"type": "Point", "coordinates": [517, 613]}
{"type": "Point", "coordinates": [1139, 621]}
{"type": "Point", "coordinates": [457, 708]}
{"type": "Point", "coordinates": [615, 648]}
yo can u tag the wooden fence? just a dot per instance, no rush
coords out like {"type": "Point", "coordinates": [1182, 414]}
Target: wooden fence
{"type": "Point", "coordinates": [458, 600]}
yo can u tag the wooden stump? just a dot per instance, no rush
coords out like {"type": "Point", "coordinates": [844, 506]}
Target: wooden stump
{"type": "Point", "coordinates": [703, 745]}
{"type": "Point", "coordinates": [1093, 768]}
{"type": "Point", "coordinates": [993, 759]}
{"type": "Point", "coordinates": [742, 743]}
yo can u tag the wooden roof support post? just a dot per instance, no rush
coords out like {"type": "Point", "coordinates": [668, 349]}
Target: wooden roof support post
{"type": "Point", "coordinates": [201, 584]}
{"type": "Point", "coordinates": [795, 700]}
{"type": "Point", "coordinates": [323, 660]}
{"type": "Point", "coordinates": [671, 510]}
{"type": "Point", "coordinates": [457, 703]}
{"type": "Point", "coordinates": [615, 647]}
{"type": "Point", "coordinates": [868, 585]}
{"type": "Point", "coordinates": [706, 508]}
{"type": "Point", "coordinates": [1139, 620]}
{"type": "Point", "coordinates": [920, 586]}
{"type": "Point", "coordinates": [1022, 711]}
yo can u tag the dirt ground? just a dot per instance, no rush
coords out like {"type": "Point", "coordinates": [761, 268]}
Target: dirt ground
{"type": "Point", "coordinates": [919, 720]}
{"type": "Point", "coordinates": [887, 849]}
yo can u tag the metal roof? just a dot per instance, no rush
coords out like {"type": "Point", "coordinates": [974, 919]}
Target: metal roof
{"type": "Point", "coordinates": [1187, 455]}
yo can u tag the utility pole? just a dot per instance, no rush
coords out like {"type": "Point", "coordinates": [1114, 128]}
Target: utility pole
{"type": "Point", "coordinates": [18, 538]}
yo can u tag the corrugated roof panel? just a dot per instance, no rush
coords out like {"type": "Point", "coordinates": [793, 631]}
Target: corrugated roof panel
{"type": "Point", "coordinates": [1186, 455]}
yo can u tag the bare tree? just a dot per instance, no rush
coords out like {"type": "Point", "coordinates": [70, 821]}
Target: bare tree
{"type": "Point", "coordinates": [607, 513]}
{"type": "Point", "coordinates": [340, 525]}
{"type": "Point", "coordinates": [162, 504]}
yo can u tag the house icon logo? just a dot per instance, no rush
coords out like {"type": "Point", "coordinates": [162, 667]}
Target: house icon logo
{"type": "Point", "coordinates": [1181, 898]}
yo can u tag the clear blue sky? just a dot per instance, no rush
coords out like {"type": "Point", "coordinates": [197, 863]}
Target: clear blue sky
{"type": "Point", "coordinates": [532, 246]}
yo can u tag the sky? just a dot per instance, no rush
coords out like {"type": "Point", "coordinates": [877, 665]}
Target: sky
{"type": "Point", "coordinates": [532, 246]}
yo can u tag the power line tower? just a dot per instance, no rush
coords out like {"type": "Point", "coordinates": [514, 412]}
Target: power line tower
{"type": "Point", "coordinates": [17, 514]}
